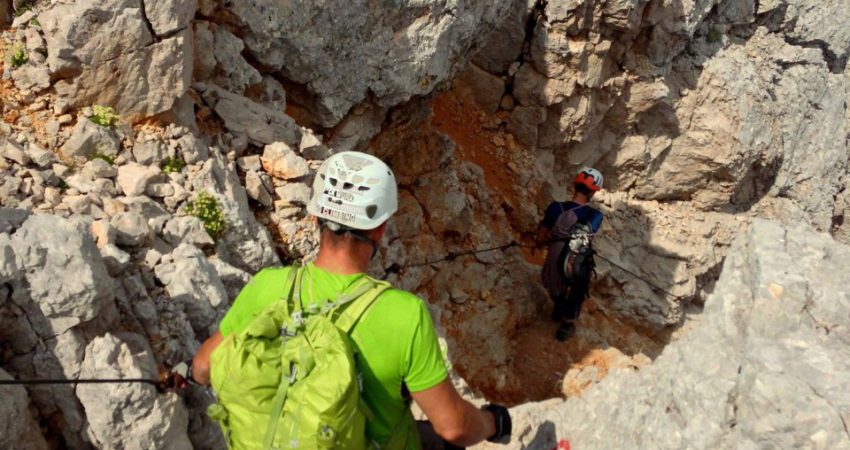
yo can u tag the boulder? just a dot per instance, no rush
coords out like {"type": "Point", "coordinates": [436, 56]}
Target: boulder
{"type": "Point", "coordinates": [297, 194]}
{"type": "Point", "coordinates": [133, 178]}
{"type": "Point", "coordinates": [14, 152]}
{"type": "Point", "coordinates": [67, 278]}
{"type": "Point", "coordinates": [131, 229]}
{"type": "Point", "coordinates": [280, 161]}
{"type": "Point", "coordinates": [194, 283]}
{"type": "Point", "coordinates": [33, 77]}
{"type": "Point", "coordinates": [241, 115]}
{"type": "Point", "coordinates": [257, 189]}
{"type": "Point", "coordinates": [186, 229]}
{"type": "Point", "coordinates": [148, 153]}
{"type": "Point", "coordinates": [147, 418]}
{"type": "Point", "coordinates": [88, 139]}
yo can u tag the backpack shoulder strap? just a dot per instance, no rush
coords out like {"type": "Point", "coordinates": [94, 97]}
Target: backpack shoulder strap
{"type": "Point", "coordinates": [362, 298]}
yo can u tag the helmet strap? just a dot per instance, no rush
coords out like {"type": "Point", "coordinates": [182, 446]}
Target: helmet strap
{"type": "Point", "coordinates": [340, 229]}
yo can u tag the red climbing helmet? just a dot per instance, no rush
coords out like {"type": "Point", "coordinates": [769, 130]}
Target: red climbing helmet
{"type": "Point", "coordinates": [590, 178]}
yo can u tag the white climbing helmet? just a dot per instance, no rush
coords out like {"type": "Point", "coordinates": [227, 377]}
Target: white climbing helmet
{"type": "Point", "coordinates": [589, 177]}
{"type": "Point", "coordinates": [354, 189]}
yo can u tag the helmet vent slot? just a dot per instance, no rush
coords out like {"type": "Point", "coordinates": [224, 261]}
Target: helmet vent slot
{"type": "Point", "coordinates": [371, 210]}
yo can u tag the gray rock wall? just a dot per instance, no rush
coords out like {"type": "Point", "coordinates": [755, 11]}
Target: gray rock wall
{"type": "Point", "coordinates": [765, 366]}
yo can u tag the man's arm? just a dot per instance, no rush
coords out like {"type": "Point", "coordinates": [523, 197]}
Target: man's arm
{"type": "Point", "coordinates": [201, 362]}
{"type": "Point", "coordinates": [454, 419]}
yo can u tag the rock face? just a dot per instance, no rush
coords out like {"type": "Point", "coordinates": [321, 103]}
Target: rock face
{"type": "Point", "coordinates": [765, 366]}
{"type": "Point", "coordinates": [107, 53]}
{"type": "Point", "coordinates": [18, 425]}
{"type": "Point", "coordinates": [400, 51]}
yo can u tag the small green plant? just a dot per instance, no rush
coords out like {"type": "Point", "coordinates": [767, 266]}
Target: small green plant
{"type": "Point", "coordinates": [108, 158]}
{"type": "Point", "coordinates": [18, 54]}
{"type": "Point", "coordinates": [62, 185]}
{"type": "Point", "coordinates": [104, 116]}
{"type": "Point", "coordinates": [172, 165]}
{"type": "Point", "coordinates": [34, 22]}
{"type": "Point", "coordinates": [205, 207]}
{"type": "Point", "coordinates": [715, 34]}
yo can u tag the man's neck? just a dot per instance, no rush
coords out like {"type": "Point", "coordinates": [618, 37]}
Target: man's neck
{"type": "Point", "coordinates": [342, 261]}
{"type": "Point", "coordinates": [580, 199]}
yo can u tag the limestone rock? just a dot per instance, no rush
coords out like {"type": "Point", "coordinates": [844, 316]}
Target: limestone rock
{"type": "Point", "coordinates": [193, 282]}
{"type": "Point", "coordinates": [767, 148]}
{"type": "Point", "coordinates": [41, 157]}
{"type": "Point", "coordinates": [88, 138]}
{"type": "Point", "coordinates": [11, 219]}
{"type": "Point", "coordinates": [767, 352]}
{"type": "Point", "coordinates": [150, 80]}
{"type": "Point", "coordinates": [115, 259]}
{"type": "Point", "coordinates": [98, 168]}
{"type": "Point", "coordinates": [399, 52]}
{"type": "Point", "coordinates": [293, 194]}
{"type": "Point", "coordinates": [280, 161]}
{"type": "Point", "coordinates": [148, 153]}
{"type": "Point", "coordinates": [12, 151]}
{"type": "Point", "coordinates": [148, 419]}
{"type": "Point", "coordinates": [813, 23]}
{"type": "Point", "coordinates": [504, 44]}
{"type": "Point", "coordinates": [32, 77]}
{"type": "Point", "coordinates": [15, 418]}
{"type": "Point", "coordinates": [257, 189]}
{"type": "Point", "coordinates": [90, 33]}
{"type": "Point", "coordinates": [66, 276]}
{"type": "Point", "coordinates": [245, 244]}
{"type": "Point", "coordinates": [8, 261]}
{"type": "Point", "coordinates": [241, 115]}
{"type": "Point", "coordinates": [133, 178]}
{"type": "Point", "coordinates": [186, 229]}
{"type": "Point", "coordinates": [131, 229]}
{"type": "Point", "coordinates": [169, 16]}
{"type": "Point", "coordinates": [193, 149]}
{"type": "Point", "coordinates": [524, 122]}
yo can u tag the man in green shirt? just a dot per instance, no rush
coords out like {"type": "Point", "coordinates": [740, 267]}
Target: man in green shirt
{"type": "Point", "coordinates": [399, 356]}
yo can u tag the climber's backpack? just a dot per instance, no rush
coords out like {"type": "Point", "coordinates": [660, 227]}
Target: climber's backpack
{"type": "Point", "coordinates": [289, 379]}
{"type": "Point", "coordinates": [575, 260]}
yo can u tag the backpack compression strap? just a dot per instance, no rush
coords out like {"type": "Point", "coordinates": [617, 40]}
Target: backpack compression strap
{"type": "Point", "coordinates": [365, 295]}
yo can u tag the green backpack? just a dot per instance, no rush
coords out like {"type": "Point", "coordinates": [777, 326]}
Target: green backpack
{"type": "Point", "coordinates": [289, 379]}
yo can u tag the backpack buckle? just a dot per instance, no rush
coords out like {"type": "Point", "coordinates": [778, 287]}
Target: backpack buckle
{"type": "Point", "coordinates": [298, 319]}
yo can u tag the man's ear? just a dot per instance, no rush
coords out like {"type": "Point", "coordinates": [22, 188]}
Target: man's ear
{"type": "Point", "coordinates": [378, 233]}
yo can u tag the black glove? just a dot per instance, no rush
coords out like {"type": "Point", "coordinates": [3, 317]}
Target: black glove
{"type": "Point", "coordinates": [179, 376]}
{"type": "Point", "coordinates": [503, 423]}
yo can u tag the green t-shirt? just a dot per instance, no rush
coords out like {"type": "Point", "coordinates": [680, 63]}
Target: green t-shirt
{"type": "Point", "coordinates": [395, 339]}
